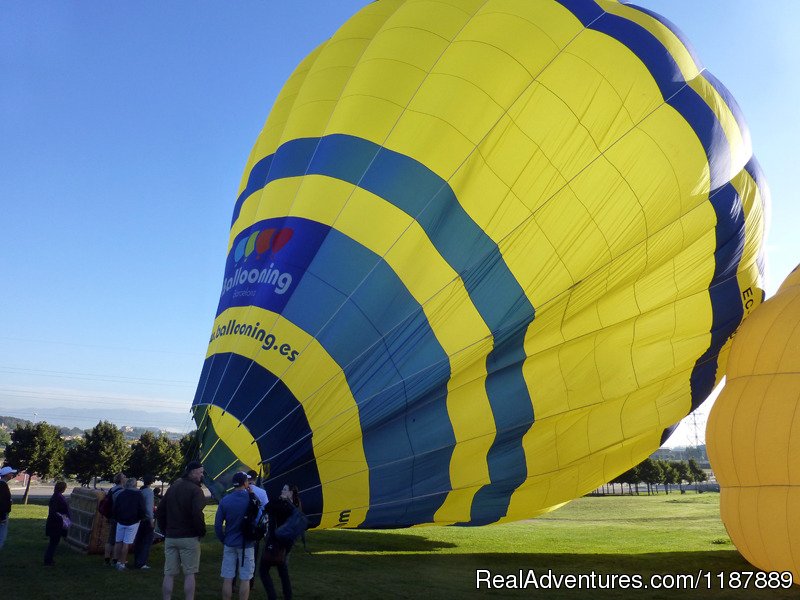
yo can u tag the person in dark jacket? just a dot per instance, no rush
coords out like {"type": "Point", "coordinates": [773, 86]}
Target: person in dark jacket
{"type": "Point", "coordinates": [54, 526]}
{"type": "Point", "coordinates": [278, 511]}
{"type": "Point", "coordinates": [6, 474]}
{"type": "Point", "coordinates": [129, 510]}
{"type": "Point", "coordinates": [144, 537]}
{"type": "Point", "coordinates": [181, 520]}
{"type": "Point", "coordinates": [111, 541]}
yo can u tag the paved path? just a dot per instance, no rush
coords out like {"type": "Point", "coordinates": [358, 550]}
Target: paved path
{"type": "Point", "coordinates": [43, 492]}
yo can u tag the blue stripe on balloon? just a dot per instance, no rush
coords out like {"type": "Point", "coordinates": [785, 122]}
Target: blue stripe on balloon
{"type": "Point", "coordinates": [753, 168]}
{"type": "Point", "coordinates": [673, 28]}
{"type": "Point", "coordinates": [496, 294]}
{"type": "Point", "coordinates": [255, 181]}
{"type": "Point", "coordinates": [730, 101]}
{"type": "Point", "coordinates": [357, 308]}
{"type": "Point", "coordinates": [512, 422]}
{"type": "Point", "coordinates": [724, 288]}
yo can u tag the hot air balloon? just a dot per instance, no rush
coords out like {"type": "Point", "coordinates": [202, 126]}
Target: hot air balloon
{"type": "Point", "coordinates": [753, 435]}
{"type": "Point", "coordinates": [484, 255]}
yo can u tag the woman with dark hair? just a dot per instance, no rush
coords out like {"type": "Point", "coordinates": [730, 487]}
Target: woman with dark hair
{"type": "Point", "coordinates": [279, 511]}
{"type": "Point", "coordinates": [57, 522]}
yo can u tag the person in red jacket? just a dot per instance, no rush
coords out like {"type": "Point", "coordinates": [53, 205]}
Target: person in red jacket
{"type": "Point", "coordinates": [180, 518]}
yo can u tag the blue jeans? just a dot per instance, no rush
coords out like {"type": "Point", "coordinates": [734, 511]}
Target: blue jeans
{"type": "Point", "coordinates": [3, 533]}
{"type": "Point", "coordinates": [144, 540]}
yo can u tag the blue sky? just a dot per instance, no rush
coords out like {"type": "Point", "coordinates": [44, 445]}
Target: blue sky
{"type": "Point", "coordinates": [125, 128]}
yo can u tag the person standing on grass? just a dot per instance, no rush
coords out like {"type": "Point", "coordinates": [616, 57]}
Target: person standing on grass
{"type": "Point", "coordinates": [6, 475]}
{"type": "Point", "coordinates": [263, 499]}
{"type": "Point", "coordinates": [111, 541]}
{"type": "Point", "coordinates": [180, 518]}
{"type": "Point", "coordinates": [144, 537]}
{"type": "Point", "coordinates": [279, 511]}
{"type": "Point", "coordinates": [237, 552]}
{"type": "Point", "coordinates": [128, 512]}
{"type": "Point", "coordinates": [54, 526]}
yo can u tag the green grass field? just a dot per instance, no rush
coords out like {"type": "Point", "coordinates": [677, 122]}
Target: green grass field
{"type": "Point", "coordinates": [675, 534]}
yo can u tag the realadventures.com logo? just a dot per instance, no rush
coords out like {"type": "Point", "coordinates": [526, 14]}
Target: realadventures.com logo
{"type": "Point", "coordinates": [249, 261]}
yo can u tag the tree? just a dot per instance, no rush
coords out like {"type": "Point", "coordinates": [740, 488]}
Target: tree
{"type": "Point", "coordinates": [38, 450]}
{"type": "Point", "coordinates": [78, 463]}
{"type": "Point", "coordinates": [682, 472]}
{"type": "Point", "coordinates": [190, 446]}
{"type": "Point", "coordinates": [171, 458]}
{"type": "Point", "coordinates": [144, 456]}
{"type": "Point", "coordinates": [106, 449]}
{"type": "Point", "coordinates": [650, 473]}
{"type": "Point", "coordinates": [669, 476]}
{"type": "Point", "coordinates": [698, 475]}
{"type": "Point", "coordinates": [158, 456]}
{"type": "Point", "coordinates": [630, 477]}
{"type": "Point", "coordinates": [5, 440]}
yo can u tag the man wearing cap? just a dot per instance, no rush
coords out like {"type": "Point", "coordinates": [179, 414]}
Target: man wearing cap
{"type": "Point", "coordinates": [237, 552]}
{"type": "Point", "coordinates": [180, 517]}
{"type": "Point", "coordinates": [6, 474]}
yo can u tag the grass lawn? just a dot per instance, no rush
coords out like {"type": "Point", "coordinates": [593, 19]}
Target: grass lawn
{"type": "Point", "coordinates": [675, 534]}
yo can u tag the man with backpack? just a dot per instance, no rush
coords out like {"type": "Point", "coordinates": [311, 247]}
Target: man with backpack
{"type": "Point", "coordinates": [236, 526]}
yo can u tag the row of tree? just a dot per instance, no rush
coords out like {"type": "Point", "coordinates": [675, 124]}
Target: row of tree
{"type": "Point", "coordinates": [653, 473]}
{"type": "Point", "coordinates": [38, 449]}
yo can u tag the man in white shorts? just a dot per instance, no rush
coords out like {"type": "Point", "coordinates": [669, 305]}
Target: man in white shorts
{"type": "Point", "coordinates": [129, 510]}
{"type": "Point", "coordinates": [238, 553]}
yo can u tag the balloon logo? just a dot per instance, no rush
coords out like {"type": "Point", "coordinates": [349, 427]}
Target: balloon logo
{"type": "Point", "coordinates": [261, 242]}
{"type": "Point", "coordinates": [515, 240]}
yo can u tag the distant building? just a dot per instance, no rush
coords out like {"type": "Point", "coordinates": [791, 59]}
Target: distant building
{"type": "Point", "coordinates": [698, 453]}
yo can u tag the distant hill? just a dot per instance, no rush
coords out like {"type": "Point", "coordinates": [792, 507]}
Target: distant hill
{"type": "Point", "coordinates": [11, 423]}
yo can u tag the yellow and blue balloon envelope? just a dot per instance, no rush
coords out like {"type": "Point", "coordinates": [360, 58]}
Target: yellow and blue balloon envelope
{"type": "Point", "coordinates": [484, 256]}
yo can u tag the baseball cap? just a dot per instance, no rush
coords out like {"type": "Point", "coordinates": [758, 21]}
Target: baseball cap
{"type": "Point", "coordinates": [6, 470]}
{"type": "Point", "coordinates": [239, 479]}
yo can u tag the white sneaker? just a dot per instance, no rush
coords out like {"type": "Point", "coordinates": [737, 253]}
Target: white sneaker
{"type": "Point", "coordinates": [144, 567]}
{"type": "Point", "coordinates": [120, 566]}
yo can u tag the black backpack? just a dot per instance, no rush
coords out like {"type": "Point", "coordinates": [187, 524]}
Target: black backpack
{"type": "Point", "coordinates": [252, 529]}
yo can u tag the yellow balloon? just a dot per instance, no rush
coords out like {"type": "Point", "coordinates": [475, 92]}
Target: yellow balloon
{"type": "Point", "coordinates": [753, 435]}
{"type": "Point", "coordinates": [485, 254]}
